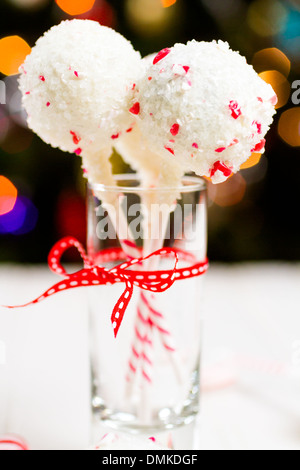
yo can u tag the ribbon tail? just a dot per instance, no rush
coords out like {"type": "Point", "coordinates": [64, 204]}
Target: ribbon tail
{"type": "Point", "coordinates": [56, 288]}
{"type": "Point", "coordinates": [121, 307]}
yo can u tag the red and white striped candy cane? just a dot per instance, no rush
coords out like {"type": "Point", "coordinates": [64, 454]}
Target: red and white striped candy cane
{"type": "Point", "coordinates": [159, 322]}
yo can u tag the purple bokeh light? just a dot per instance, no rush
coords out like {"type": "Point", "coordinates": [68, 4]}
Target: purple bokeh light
{"type": "Point", "coordinates": [21, 220]}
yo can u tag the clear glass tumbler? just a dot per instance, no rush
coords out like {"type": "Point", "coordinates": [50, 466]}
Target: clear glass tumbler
{"type": "Point", "coordinates": [147, 379]}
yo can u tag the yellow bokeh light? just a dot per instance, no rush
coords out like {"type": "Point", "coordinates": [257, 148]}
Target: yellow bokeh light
{"type": "Point", "coordinates": [150, 17]}
{"type": "Point", "coordinates": [13, 51]}
{"type": "Point", "coordinates": [252, 161]}
{"type": "Point", "coordinates": [280, 85]}
{"type": "Point", "coordinates": [8, 195]}
{"type": "Point", "coordinates": [271, 59]}
{"type": "Point", "coordinates": [289, 126]}
{"type": "Point", "coordinates": [75, 7]}
{"type": "Point", "coordinates": [168, 3]}
{"type": "Point", "coordinates": [229, 193]}
{"type": "Point", "coordinates": [267, 17]}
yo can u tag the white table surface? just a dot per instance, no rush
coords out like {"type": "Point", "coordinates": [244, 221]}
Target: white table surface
{"type": "Point", "coordinates": [251, 357]}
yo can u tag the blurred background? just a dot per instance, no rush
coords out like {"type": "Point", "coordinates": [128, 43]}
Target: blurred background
{"type": "Point", "coordinates": [253, 216]}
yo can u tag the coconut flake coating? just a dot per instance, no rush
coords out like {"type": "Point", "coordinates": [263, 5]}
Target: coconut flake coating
{"type": "Point", "coordinates": [203, 106]}
{"type": "Point", "coordinates": [77, 85]}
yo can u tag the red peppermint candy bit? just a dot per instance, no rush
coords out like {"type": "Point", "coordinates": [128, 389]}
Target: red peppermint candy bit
{"type": "Point", "coordinates": [260, 146]}
{"type": "Point", "coordinates": [42, 78]}
{"type": "Point", "coordinates": [133, 86]}
{"type": "Point", "coordinates": [48, 104]}
{"type": "Point", "coordinates": [234, 142]}
{"type": "Point", "coordinates": [149, 78]}
{"type": "Point", "coordinates": [170, 150]}
{"type": "Point", "coordinates": [195, 145]}
{"type": "Point", "coordinates": [258, 125]}
{"type": "Point", "coordinates": [129, 130]}
{"type": "Point", "coordinates": [161, 55]}
{"type": "Point", "coordinates": [76, 138]}
{"type": "Point", "coordinates": [135, 109]}
{"type": "Point", "coordinates": [235, 109]}
{"type": "Point", "coordinates": [116, 136]}
{"type": "Point", "coordinates": [260, 99]}
{"type": "Point", "coordinates": [274, 100]}
{"type": "Point", "coordinates": [76, 74]}
{"type": "Point", "coordinates": [220, 166]}
{"type": "Point", "coordinates": [220, 149]}
{"type": "Point", "coordinates": [27, 93]}
{"type": "Point", "coordinates": [78, 151]}
{"type": "Point", "coordinates": [175, 129]}
{"type": "Point", "coordinates": [186, 68]}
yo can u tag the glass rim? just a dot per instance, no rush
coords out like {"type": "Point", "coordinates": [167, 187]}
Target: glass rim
{"type": "Point", "coordinates": [189, 184]}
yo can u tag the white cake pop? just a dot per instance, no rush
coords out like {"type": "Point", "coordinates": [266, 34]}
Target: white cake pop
{"type": "Point", "coordinates": [201, 105]}
{"type": "Point", "coordinates": [77, 84]}
{"type": "Point", "coordinates": [152, 169]}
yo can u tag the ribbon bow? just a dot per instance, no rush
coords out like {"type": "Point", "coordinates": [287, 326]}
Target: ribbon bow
{"type": "Point", "coordinates": [94, 275]}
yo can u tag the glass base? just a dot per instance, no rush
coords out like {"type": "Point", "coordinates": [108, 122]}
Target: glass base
{"type": "Point", "coordinates": [182, 437]}
{"type": "Point", "coordinates": [162, 419]}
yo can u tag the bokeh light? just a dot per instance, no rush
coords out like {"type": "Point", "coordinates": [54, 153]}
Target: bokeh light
{"type": "Point", "coordinates": [13, 51]}
{"type": "Point", "coordinates": [102, 12]}
{"type": "Point", "coordinates": [224, 9]}
{"type": "Point", "coordinates": [4, 126]}
{"type": "Point", "coordinates": [168, 3]}
{"type": "Point", "coordinates": [256, 173]}
{"type": "Point", "coordinates": [70, 217]}
{"type": "Point", "coordinates": [29, 4]}
{"type": "Point", "coordinates": [229, 193]}
{"type": "Point", "coordinates": [271, 59]}
{"type": "Point", "coordinates": [149, 17]}
{"type": "Point", "coordinates": [252, 161]}
{"type": "Point", "coordinates": [14, 106]}
{"type": "Point", "coordinates": [267, 17]}
{"type": "Point", "coordinates": [280, 85]}
{"type": "Point", "coordinates": [21, 220]}
{"type": "Point", "coordinates": [289, 126]}
{"type": "Point", "coordinates": [288, 38]}
{"type": "Point", "coordinates": [8, 195]}
{"type": "Point", "coordinates": [17, 139]}
{"type": "Point", "coordinates": [75, 7]}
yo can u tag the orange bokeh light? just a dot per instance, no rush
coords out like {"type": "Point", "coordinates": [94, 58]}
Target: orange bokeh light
{"type": "Point", "coordinates": [289, 126]}
{"type": "Point", "coordinates": [8, 195]}
{"type": "Point", "coordinates": [272, 59]}
{"type": "Point", "coordinates": [13, 51]}
{"type": "Point", "coordinates": [168, 3]}
{"type": "Point", "coordinates": [75, 7]}
{"type": "Point", "coordinates": [229, 193]}
{"type": "Point", "coordinates": [252, 161]}
{"type": "Point", "coordinates": [280, 85]}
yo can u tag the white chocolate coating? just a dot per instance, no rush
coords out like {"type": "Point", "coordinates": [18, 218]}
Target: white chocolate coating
{"type": "Point", "coordinates": [201, 105]}
{"type": "Point", "coordinates": [77, 87]}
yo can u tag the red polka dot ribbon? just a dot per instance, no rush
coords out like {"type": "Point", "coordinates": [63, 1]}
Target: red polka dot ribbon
{"type": "Point", "coordinates": [12, 443]}
{"type": "Point", "coordinates": [94, 275]}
